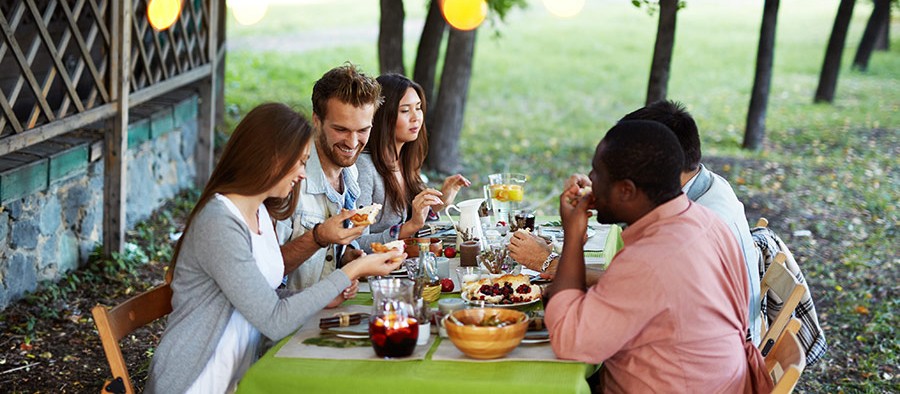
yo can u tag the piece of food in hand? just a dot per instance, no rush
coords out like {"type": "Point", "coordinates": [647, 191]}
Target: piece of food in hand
{"type": "Point", "coordinates": [366, 215]}
{"type": "Point", "coordinates": [581, 193]}
{"type": "Point", "coordinates": [447, 285]}
{"type": "Point", "coordinates": [378, 247]}
{"type": "Point", "coordinates": [449, 252]}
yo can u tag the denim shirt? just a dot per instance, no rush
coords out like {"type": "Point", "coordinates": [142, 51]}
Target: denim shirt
{"type": "Point", "coordinates": [318, 201]}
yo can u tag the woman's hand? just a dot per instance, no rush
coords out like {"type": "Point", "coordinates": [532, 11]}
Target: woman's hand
{"type": "Point", "coordinates": [451, 187]}
{"type": "Point", "coordinates": [528, 249]}
{"type": "Point", "coordinates": [423, 203]}
{"type": "Point", "coordinates": [375, 264]}
{"type": "Point", "coordinates": [345, 295]}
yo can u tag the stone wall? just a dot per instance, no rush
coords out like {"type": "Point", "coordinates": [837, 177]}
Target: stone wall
{"type": "Point", "coordinates": [52, 194]}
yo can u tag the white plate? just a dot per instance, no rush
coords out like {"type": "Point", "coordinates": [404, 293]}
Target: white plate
{"type": "Point", "coordinates": [356, 331]}
{"type": "Point", "coordinates": [358, 336]}
{"type": "Point", "coordinates": [530, 341]}
{"type": "Point", "coordinates": [558, 232]}
{"type": "Point", "coordinates": [465, 295]}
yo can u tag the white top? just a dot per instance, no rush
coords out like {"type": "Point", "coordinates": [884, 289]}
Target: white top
{"type": "Point", "coordinates": [720, 198]}
{"type": "Point", "coordinates": [238, 347]}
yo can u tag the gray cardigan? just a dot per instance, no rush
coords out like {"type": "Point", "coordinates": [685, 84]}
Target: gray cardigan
{"type": "Point", "coordinates": [216, 274]}
{"type": "Point", "coordinates": [371, 190]}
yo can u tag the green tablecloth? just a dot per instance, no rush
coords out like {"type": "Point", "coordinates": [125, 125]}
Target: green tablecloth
{"type": "Point", "coordinates": [278, 374]}
{"type": "Point", "coordinates": [271, 375]}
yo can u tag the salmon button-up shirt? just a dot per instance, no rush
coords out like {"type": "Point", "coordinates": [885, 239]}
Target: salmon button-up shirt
{"type": "Point", "coordinates": [670, 313]}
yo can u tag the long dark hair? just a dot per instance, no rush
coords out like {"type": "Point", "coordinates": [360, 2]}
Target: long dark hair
{"type": "Point", "coordinates": [383, 147]}
{"type": "Point", "coordinates": [263, 149]}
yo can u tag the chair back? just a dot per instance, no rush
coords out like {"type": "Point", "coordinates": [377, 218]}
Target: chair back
{"type": "Point", "coordinates": [114, 324]}
{"type": "Point", "coordinates": [786, 362]}
{"type": "Point", "coordinates": [784, 287]}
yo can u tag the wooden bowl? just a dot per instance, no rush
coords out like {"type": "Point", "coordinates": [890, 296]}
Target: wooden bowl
{"type": "Point", "coordinates": [485, 342]}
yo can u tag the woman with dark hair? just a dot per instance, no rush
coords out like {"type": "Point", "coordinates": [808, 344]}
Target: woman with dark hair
{"type": "Point", "coordinates": [228, 263]}
{"type": "Point", "coordinates": [390, 167]}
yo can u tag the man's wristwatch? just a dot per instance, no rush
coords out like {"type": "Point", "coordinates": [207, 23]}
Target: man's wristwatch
{"type": "Point", "coordinates": [552, 256]}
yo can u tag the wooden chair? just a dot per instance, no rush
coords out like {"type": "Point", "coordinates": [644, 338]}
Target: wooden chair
{"type": "Point", "coordinates": [114, 324]}
{"type": "Point", "coordinates": [786, 361]}
{"type": "Point", "coordinates": [793, 327]}
{"type": "Point", "coordinates": [785, 286]}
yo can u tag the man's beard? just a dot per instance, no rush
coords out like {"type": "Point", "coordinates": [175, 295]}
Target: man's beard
{"type": "Point", "coordinates": [338, 159]}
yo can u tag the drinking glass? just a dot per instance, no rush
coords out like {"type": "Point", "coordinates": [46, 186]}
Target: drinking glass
{"type": "Point", "coordinates": [507, 191]}
{"type": "Point", "coordinates": [393, 327]}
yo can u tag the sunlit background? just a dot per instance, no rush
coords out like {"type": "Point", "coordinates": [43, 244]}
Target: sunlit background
{"type": "Point", "coordinates": [461, 14]}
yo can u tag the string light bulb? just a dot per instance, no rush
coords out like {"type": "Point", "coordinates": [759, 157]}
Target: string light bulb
{"type": "Point", "coordinates": [564, 8]}
{"type": "Point", "coordinates": [162, 14]}
{"type": "Point", "coordinates": [248, 12]}
{"type": "Point", "coordinates": [464, 14]}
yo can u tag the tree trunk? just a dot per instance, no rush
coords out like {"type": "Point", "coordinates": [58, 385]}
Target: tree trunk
{"type": "Point", "coordinates": [443, 141]}
{"type": "Point", "coordinates": [390, 37]}
{"type": "Point", "coordinates": [883, 43]}
{"type": "Point", "coordinates": [759, 98]}
{"type": "Point", "coordinates": [428, 53]}
{"type": "Point", "coordinates": [662, 52]}
{"type": "Point", "coordinates": [834, 52]}
{"type": "Point", "coordinates": [870, 35]}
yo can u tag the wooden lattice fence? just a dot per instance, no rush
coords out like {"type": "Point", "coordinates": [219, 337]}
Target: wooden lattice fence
{"type": "Point", "coordinates": [67, 64]}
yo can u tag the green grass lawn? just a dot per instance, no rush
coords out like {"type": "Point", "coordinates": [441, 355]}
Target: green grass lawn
{"type": "Point", "coordinates": [544, 92]}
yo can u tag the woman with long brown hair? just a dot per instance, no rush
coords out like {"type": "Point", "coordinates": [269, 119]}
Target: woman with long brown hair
{"type": "Point", "coordinates": [390, 167]}
{"type": "Point", "coordinates": [228, 263]}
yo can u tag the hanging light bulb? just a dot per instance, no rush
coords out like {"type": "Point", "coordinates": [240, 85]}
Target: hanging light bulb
{"type": "Point", "coordinates": [248, 12]}
{"type": "Point", "coordinates": [163, 13]}
{"type": "Point", "coordinates": [464, 14]}
{"type": "Point", "coordinates": [564, 8]}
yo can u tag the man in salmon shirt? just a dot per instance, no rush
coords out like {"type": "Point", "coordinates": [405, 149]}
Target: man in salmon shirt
{"type": "Point", "coordinates": [670, 313]}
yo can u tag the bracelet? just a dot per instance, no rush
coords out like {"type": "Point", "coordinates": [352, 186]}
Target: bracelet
{"type": "Point", "coordinates": [316, 236]}
{"type": "Point", "coordinates": [552, 256]}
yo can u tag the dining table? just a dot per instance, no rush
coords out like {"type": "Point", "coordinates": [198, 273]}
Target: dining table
{"type": "Point", "coordinates": [286, 367]}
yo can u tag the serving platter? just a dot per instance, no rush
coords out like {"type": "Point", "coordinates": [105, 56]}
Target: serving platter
{"type": "Point", "coordinates": [465, 297]}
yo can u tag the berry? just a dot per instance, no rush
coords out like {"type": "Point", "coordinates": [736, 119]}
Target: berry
{"type": "Point", "coordinates": [449, 252]}
{"type": "Point", "coordinates": [446, 285]}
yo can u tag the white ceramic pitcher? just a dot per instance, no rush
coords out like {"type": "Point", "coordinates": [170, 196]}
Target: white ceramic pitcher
{"type": "Point", "coordinates": [468, 219]}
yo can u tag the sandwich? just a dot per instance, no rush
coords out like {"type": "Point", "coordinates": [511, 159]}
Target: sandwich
{"type": "Point", "coordinates": [378, 247]}
{"type": "Point", "coordinates": [365, 215]}
{"type": "Point", "coordinates": [584, 191]}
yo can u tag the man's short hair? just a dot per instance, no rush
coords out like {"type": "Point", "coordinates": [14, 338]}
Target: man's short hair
{"type": "Point", "coordinates": [349, 85]}
{"type": "Point", "coordinates": [645, 152]}
{"type": "Point", "coordinates": [676, 117]}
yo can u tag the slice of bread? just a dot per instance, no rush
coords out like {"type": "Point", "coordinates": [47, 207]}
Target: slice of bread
{"type": "Point", "coordinates": [382, 248]}
{"type": "Point", "coordinates": [366, 215]}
